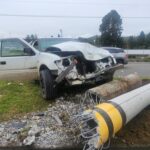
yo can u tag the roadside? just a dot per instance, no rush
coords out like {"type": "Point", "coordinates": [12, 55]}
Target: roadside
{"type": "Point", "coordinates": [139, 58]}
{"type": "Point", "coordinates": [142, 68]}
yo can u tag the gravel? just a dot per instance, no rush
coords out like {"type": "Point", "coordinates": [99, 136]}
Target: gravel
{"type": "Point", "coordinates": [53, 128]}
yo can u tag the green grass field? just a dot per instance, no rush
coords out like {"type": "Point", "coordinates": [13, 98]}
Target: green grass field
{"type": "Point", "coordinates": [17, 98]}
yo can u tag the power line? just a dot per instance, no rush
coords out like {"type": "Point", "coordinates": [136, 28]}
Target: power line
{"type": "Point", "coordinates": [80, 3]}
{"type": "Point", "coordinates": [48, 16]}
{"type": "Point", "coordinates": [63, 16]}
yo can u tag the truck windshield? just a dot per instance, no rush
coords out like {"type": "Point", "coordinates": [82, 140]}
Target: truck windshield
{"type": "Point", "coordinates": [45, 43]}
{"type": "Point", "coordinates": [113, 50]}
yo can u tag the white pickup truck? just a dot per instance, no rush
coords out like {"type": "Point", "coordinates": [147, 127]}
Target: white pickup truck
{"type": "Point", "coordinates": [66, 63]}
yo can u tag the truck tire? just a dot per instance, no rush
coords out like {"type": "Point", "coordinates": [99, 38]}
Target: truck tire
{"type": "Point", "coordinates": [47, 85]}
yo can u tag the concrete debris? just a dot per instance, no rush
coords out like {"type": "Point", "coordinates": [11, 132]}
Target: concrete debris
{"type": "Point", "coordinates": [1, 129]}
{"type": "Point", "coordinates": [55, 139]}
{"type": "Point", "coordinates": [35, 130]}
{"type": "Point", "coordinates": [56, 117]}
{"type": "Point", "coordinates": [18, 125]}
{"type": "Point", "coordinates": [51, 128]}
{"type": "Point", "coordinates": [29, 140]}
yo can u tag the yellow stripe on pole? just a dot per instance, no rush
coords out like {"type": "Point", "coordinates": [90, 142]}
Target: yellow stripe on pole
{"type": "Point", "coordinates": [114, 115]}
{"type": "Point", "coordinates": [102, 128]}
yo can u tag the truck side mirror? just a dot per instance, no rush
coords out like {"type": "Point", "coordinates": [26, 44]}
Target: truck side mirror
{"type": "Point", "coordinates": [28, 51]}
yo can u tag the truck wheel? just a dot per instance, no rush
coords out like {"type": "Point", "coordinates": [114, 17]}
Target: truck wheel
{"type": "Point", "coordinates": [47, 84]}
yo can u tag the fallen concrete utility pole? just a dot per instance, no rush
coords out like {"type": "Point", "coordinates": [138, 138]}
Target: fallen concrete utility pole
{"type": "Point", "coordinates": [102, 122]}
{"type": "Point", "coordinates": [116, 87]}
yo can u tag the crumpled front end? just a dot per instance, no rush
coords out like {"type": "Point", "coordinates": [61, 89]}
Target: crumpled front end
{"type": "Point", "coordinates": [78, 70]}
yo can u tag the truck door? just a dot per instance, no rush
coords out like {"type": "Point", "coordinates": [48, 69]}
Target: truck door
{"type": "Point", "coordinates": [12, 59]}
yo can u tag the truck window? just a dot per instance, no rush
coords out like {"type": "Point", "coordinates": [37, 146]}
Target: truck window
{"type": "Point", "coordinates": [12, 47]}
{"type": "Point", "coordinates": [0, 50]}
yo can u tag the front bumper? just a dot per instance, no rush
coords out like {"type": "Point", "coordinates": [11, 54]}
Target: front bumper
{"type": "Point", "coordinates": [90, 78]}
{"type": "Point", "coordinates": [108, 70]}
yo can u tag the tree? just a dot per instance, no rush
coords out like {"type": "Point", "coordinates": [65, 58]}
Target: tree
{"type": "Point", "coordinates": [141, 40]}
{"type": "Point", "coordinates": [111, 29]}
{"type": "Point", "coordinates": [31, 37]}
{"type": "Point", "coordinates": [147, 40]}
{"type": "Point", "coordinates": [132, 42]}
{"type": "Point", "coordinates": [28, 38]}
{"type": "Point", "coordinates": [98, 41]}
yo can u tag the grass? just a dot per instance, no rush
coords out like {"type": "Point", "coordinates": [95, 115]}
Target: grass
{"type": "Point", "coordinates": [17, 99]}
{"type": "Point", "coordinates": [147, 59]}
{"type": "Point", "coordinates": [139, 58]}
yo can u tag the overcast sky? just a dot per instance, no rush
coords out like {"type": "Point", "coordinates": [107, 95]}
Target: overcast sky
{"type": "Point", "coordinates": [46, 26]}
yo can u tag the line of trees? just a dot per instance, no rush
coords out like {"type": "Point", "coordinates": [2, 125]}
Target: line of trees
{"type": "Point", "coordinates": [111, 31]}
{"type": "Point", "coordinates": [142, 41]}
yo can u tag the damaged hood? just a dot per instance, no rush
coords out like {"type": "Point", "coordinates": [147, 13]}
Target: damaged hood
{"type": "Point", "coordinates": [89, 51]}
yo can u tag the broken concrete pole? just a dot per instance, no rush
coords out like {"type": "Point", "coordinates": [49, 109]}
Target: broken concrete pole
{"type": "Point", "coordinates": [116, 87]}
{"type": "Point", "coordinates": [102, 122]}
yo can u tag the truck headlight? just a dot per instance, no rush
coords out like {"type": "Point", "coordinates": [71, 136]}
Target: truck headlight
{"type": "Point", "coordinates": [59, 64]}
{"type": "Point", "coordinates": [65, 62]}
